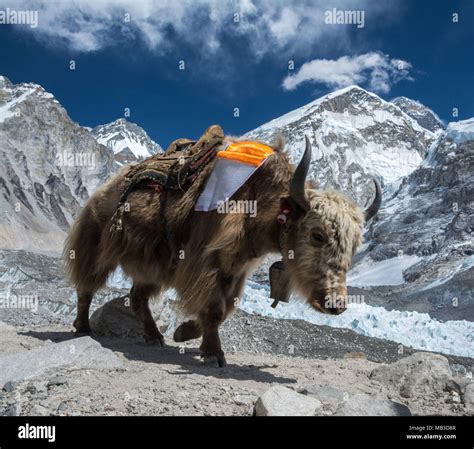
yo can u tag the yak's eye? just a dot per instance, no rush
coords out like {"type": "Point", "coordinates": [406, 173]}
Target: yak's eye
{"type": "Point", "coordinates": [317, 239]}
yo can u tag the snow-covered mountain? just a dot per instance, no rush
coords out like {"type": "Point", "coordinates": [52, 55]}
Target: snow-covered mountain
{"type": "Point", "coordinates": [354, 134]}
{"type": "Point", "coordinates": [432, 211]}
{"type": "Point", "coordinates": [128, 141]}
{"type": "Point", "coordinates": [423, 115]}
{"type": "Point", "coordinates": [428, 222]}
{"type": "Point", "coordinates": [418, 251]}
{"type": "Point", "coordinates": [50, 166]}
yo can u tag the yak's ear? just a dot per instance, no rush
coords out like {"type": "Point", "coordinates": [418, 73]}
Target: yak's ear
{"type": "Point", "coordinates": [297, 184]}
{"type": "Point", "coordinates": [278, 143]}
{"type": "Point", "coordinates": [294, 210]}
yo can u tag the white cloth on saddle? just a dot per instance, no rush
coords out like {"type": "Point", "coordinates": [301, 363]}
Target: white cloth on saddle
{"type": "Point", "coordinates": [235, 164]}
{"type": "Point", "coordinates": [226, 178]}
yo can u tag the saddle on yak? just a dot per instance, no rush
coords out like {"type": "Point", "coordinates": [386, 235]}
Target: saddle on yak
{"type": "Point", "coordinates": [185, 159]}
{"type": "Point", "coordinates": [176, 169]}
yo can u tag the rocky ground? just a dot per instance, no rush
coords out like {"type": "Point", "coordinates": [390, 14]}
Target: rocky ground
{"type": "Point", "coordinates": [274, 367]}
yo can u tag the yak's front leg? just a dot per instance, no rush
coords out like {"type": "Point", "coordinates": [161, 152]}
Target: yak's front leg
{"type": "Point", "coordinates": [230, 289]}
{"type": "Point", "coordinates": [210, 320]}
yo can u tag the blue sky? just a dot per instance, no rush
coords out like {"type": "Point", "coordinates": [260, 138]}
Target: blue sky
{"type": "Point", "coordinates": [236, 55]}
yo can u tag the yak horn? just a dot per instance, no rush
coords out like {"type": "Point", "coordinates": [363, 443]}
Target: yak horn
{"type": "Point", "coordinates": [372, 210]}
{"type": "Point", "coordinates": [297, 192]}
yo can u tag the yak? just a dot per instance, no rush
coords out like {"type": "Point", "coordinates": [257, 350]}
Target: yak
{"type": "Point", "coordinates": [210, 254]}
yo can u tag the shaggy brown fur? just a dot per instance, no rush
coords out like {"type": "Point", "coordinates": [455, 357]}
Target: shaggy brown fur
{"type": "Point", "coordinates": [208, 255]}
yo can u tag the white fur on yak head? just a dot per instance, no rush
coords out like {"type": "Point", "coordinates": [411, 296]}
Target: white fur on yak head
{"type": "Point", "coordinates": [322, 239]}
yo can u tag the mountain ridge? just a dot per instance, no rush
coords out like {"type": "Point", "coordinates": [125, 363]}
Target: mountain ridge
{"type": "Point", "coordinates": [423, 115]}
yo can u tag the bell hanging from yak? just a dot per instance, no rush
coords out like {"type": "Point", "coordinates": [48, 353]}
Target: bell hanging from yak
{"type": "Point", "coordinates": [279, 283]}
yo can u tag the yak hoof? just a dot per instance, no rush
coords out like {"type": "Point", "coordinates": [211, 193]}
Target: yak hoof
{"type": "Point", "coordinates": [188, 330]}
{"type": "Point", "coordinates": [83, 333]}
{"type": "Point", "coordinates": [82, 330]}
{"type": "Point", "coordinates": [155, 341]}
{"type": "Point", "coordinates": [214, 359]}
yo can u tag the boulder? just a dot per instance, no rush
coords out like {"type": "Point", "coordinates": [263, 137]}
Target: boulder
{"type": "Point", "coordinates": [338, 402]}
{"type": "Point", "coordinates": [326, 393]}
{"type": "Point", "coordinates": [366, 405]}
{"type": "Point", "coordinates": [117, 319]}
{"type": "Point", "coordinates": [79, 353]}
{"type": "Point", "coordinates": [459, 384]}
{"type": "Point", "coordinates": [281, 401]}
{"type": "Point", "coordinates": [330, 397]}
{"type": "Point", "coordinates": [419, 374]}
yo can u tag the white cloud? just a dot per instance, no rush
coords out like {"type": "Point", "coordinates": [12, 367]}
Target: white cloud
{"type": "Point", "coordinates": [376, 70]}
{"type": "Point", "coordinates": [286, 26]}
{"type": "Point", "coordinates": [289, 27]}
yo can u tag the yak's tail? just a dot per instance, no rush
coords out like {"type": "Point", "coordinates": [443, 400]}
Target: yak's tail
{"type": "Point", "coordinates": [81, 253]}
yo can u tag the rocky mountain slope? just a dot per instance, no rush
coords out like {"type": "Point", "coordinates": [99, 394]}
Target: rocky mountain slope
{"type": "Point", "coordinates": [424, 116]}
{"type": "Point", "coordinates": [354, 134]}
{"type": "Point", "coordinates": [129, 142]}
{"type": "Point", "coordinates": [50, 166]}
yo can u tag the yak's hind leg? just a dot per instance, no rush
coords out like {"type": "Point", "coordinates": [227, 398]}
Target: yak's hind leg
{"type": "Point", "coordinates": [85, 293]}
{"type": "Point", "coordinates": [81, 323]}
{"type": "Point", "coordinates": [90, 283]}
{"type": "Point", "coordinates": [139, 296]}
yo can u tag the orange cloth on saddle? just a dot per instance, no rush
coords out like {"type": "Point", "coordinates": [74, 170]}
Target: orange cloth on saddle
{"type": "Point", "coordinates": [247, 151]}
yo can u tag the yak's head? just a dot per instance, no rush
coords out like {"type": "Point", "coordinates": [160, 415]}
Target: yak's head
{"type": "Point", "coordinates": [322, 239]}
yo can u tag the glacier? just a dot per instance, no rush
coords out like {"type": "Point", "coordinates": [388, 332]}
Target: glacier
{"type": "Point", "coordinates": [462, 131]}
{"type": "Point", "coordinates": [410, 329]}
